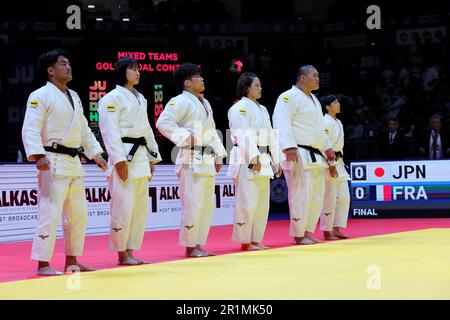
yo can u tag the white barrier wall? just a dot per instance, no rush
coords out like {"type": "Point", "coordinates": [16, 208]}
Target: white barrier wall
{"type": "Point", "coordinates": [19, 210]}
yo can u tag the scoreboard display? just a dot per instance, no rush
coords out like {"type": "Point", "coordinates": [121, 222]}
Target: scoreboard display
{"type": "Point", "coordinates": [156, 83]}
{"type": "Point", "coordinates": [400, 189]}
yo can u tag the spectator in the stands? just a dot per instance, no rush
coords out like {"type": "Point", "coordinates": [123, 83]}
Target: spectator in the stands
{"type": "Point", "coordinates": [434, 141]}
{"type": "Point", "coordinates": [392, 142]}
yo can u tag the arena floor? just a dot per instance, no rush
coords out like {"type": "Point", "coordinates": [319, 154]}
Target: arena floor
{"type": "Point", "coordinates": [409, 260]}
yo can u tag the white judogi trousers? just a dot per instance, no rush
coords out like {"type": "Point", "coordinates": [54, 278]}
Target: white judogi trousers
{"type": "Point", "coordinates": [306, 189]}
{"type": "Point", "coordinates": [252, 206]}
{"type": "Point", "coordinates": [129, 212]}
{"type": "Point", "coordinates": [336, 204]}
{"type": "Point", "coordinates": [60, 196]}
{"type": "Point", "coordinates": [197, 203]}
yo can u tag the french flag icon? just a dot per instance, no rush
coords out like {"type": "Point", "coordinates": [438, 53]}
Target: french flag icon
{"type": "Point", "coordinates": [384, 192]}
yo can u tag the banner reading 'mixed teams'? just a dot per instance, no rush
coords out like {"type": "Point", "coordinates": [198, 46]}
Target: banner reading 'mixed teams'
{"type": "Point", "coordinates": [400, 189]}
{"type": "Point", "coordinates": [19, 205]}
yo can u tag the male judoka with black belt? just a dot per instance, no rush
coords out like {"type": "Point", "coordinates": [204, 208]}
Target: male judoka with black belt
{"type": "Point", "coordinates": [132, 152]}
{"type": "Point", "coordinates": [187, 120]}
{"type": "Point", "coordinates": [298, 120]}
{"type": "Point", "coordinates": [54, 133]}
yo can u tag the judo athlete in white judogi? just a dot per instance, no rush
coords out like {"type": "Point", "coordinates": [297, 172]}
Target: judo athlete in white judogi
{"type": "Point", "coordinates": [298, 121]}
{"type": "Point", "coordinates": [132, 152]}
{"type": "Point", "coordinates": [254, 155]}
{"type": "Point", "coordinates": [187, 120]}
{"type": "Point", "coordinates": [337, 197]}
{"type": "Point", "coordinates": [54, 133]}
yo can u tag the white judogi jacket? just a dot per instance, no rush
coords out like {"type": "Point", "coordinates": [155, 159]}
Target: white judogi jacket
{"type": "Point", "coordinates": [250, 127]}
{"type": "Point", "coordinates": [49, 118]}
{"type": "Point", "coordinates": [124, 114]}
{"type": "Point", "coordinates": [299, 121]}
{"type": "Point", "coordinates": [183, 116]}
{"type": "Point", "coordinates": [335, 132]}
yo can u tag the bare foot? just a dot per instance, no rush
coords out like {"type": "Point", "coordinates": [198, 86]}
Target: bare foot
{"type": "Point", "coordinates": [340, 235]}
{"type": "Point", "coordinates": [329, 235]}
{"type": "Point", "coordinates": [195, 253]}
{"type": "Point", "coordinates": [49, 271]}
{"type": "Point", "coordinates": [303, 241]}
{"type": "Point", "coordinates": [78, 267]}
{"type": "Point", "coordinates": [314, 240]}
{"type": "Point", "coordinates": [263, 247]}
{"type": "Point", "coordinates": [130, 254]}
{"type": "Point", "coordinates": [140, 260]}
{"type": "Point", "coordinates": [128, 261]}
{"type": "Point", "coordinates": [308, 235]}
{"type": "Point", "coordinates": [250, 247]}
{"type": "Point", "coordinates": [208, 253]}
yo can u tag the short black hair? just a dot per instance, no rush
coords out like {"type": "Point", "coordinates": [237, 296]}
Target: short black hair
{"type": "Point", "coordinates": [392, 119]}
{"type": "Point", "coordinates": [305, 70]}
{"type": "Point", "coordinates": [121, 69]}
{"type": "Point", "coordinates": [185, 72]}
{"type": "Point", "coordinates": [435, 117]}
{"type": "Point", "coordinates": [244, 82]}
{"type": "Point", "coordinates": [326, 100]}
{"type": "Point", "coordinates": [48, 59]}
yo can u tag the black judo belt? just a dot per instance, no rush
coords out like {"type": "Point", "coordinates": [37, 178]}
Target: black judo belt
{"type": "Point", "coordinates": [262, 149]}
{"type": "Point", "coordinates": [338, 155]}
{"type": "Point", "coordinates": [313, 152]}
{"type": "Point", "coordinates": [59, 148]}
{"type": "Point", "coordinates": [202, 149]}
{"type": "Point", "coordinates": [137, 142]}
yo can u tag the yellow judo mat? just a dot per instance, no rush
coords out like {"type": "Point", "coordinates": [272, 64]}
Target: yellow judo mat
{"type": "Point", "coordinates": [406, 265]}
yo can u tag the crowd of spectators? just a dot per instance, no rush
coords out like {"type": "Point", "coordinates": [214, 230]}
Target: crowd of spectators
{"type": "Point", "coordinates": [391, 95]}
{"type": "Point", "coordinates": [404, 93]}
{"type": "Point", "coordinates": [410, 97]}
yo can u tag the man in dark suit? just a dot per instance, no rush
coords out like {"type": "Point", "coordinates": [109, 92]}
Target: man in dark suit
{"type": "Point", "coordinates": [434, 141]}
{"type": "Point", "coordinates": [392, 144]}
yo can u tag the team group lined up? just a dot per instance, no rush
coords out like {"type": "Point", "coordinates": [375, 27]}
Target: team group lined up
{"type": "Point", "coordinates": [304, 144]}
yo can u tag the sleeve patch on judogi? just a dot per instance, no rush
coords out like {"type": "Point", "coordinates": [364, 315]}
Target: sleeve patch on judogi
{"type": "Point", "coordinates": [171, 103]}
{"type": "Point", "coordinates": [285, 99]}
{"type": "Point", "coordinates": [243, 112]}
{"type": "Point", "coordinates": [111, 107]}
{"type": "Point", "coordinates": [34, 103]}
